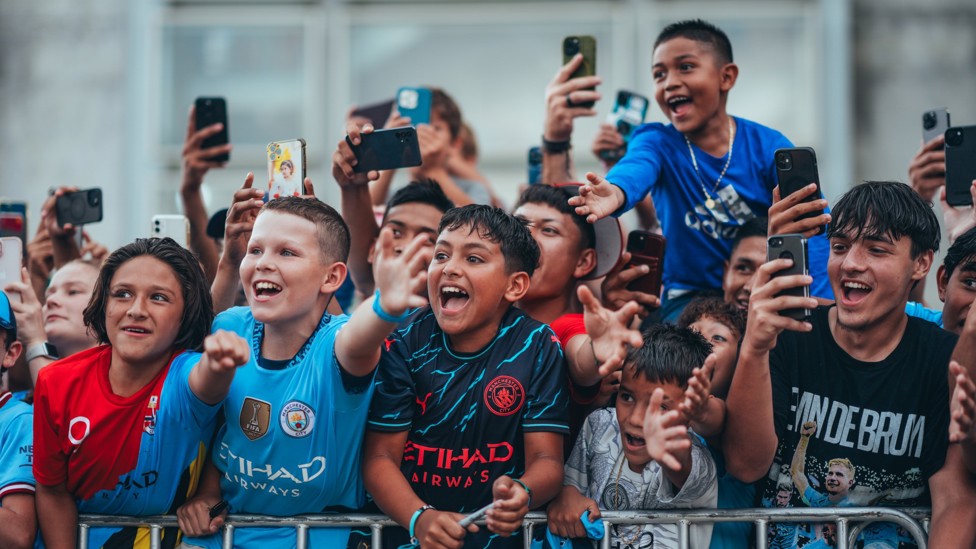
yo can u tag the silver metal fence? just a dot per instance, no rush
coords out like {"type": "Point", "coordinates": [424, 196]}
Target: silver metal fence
{"type": "Point", "coordinates": [849, 522]}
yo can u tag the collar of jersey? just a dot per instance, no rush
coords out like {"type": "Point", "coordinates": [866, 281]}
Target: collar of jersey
{"type": "Point", "coordinates": [469, 356]}
{"type": "Point", "coordinates": [257, 337]}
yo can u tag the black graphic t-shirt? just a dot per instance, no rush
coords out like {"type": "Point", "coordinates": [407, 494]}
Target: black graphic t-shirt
{"type": "Point", "coordinates": [467, 413]}
{"type": "Point", "coordinates": [879, 430]}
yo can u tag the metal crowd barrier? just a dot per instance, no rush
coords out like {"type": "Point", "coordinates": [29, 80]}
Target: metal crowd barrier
{"type": "Point", "coordinates": [849, 522]}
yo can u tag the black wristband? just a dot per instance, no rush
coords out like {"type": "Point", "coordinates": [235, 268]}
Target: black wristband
{"type": "Point", "coordinates": [555, 146]}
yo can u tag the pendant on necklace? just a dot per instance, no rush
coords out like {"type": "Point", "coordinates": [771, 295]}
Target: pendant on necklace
{"type": "Point", "coordinates": [709, 203]}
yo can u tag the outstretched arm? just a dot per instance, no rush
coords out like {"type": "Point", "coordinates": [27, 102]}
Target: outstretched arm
{"type": "Point", "coordinates": [223, 353]}
{"type": "Point", "coordinates": [603, 348]}
{"type": "Point", "coordinates": [598, 198]}
{"type": "Point", "coordinates": [705, 413]}
{"type": "Point", "coordinates": [798, 467]}
{"type": "Point", "coordinates": [667, 440]}
{"type": "Point", "coordinates": [563, 96]}
{"type": "Point", "coordinates": [237, 231]}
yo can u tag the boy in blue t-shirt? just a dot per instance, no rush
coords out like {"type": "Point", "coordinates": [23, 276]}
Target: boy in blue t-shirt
{"type": "Point", "coordinates": [296, 412]}
{"type": "Point", "coordinates": [707, 172]}
{"type": "Point", "coordinates": [18, 521]}
{"type": "Point", "coordinates": [471, 397]}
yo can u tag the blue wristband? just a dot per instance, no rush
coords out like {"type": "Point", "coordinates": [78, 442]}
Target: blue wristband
{"type": "Point", "coordinates": [527, 491]}
{"type": "Point", "coordinates": [385, 316]}
{"type": "Point", "coordinates": [413, 523]}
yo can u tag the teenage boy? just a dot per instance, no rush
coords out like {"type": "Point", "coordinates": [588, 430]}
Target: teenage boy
{"type": "Point", "coordinates": [872, 378]}
{"type": "Point", "coordinates": [956, 281]}
{"type": "Point", "coordinates": [707, 172]}
{"type": "Point", "coordinates": [296, 412]}
{"type": "Point", "coordinates": [471, 397]}
{"type": "Point", "coordinates": [611, 466]}
{"type": "Point", "coordinates": [18, 521]}
{"type": "Point", "coordinates": [748, 253]}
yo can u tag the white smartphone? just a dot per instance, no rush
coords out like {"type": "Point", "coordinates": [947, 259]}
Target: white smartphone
{"type": "Point", "coordinates": [176, 227]}
{"type": "Point", "coordinates": [11, 259]}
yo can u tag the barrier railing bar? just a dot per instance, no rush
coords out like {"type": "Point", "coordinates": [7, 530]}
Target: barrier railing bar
{"type": "Point", "coordinates": [849, 520]}
{"type": "Point", "coordinates": [376, 533]}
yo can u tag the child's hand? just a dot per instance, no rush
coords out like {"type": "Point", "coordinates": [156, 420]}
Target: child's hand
{"type": "Point", "coordinates": [240, 220]}
{"type": "Point", "coordinates": [958, 219]}
{"type": "Point", "coordinates": [784, 214]}
{"type": "Point", "coordinates": [439, 529]}
{"type": "Point", "coordinates": [963, 406]}
{"type": "Point", "coordinates": [665, 435]}
{"type": "Point", "coordinates": [609, 331]}
{"type": "Point", "coordinates": [511, 506]}
{"type": "Point", "coordinates": [27, 310]}
{"type": "Point", "coordinates": [401, 275]}
{"type": "Point", "coordinates": [344, 160]}
{"type": "Point", "coordinates": [607, 139]}
{"type": "Point", "coordinates": [565, 510]}
{"type": "Point", "coordinates": [194, 516]}
{"type": "Point", "coordinates": [615, 292]}
{"type": "Point", "coordinates": [226, 350]}
{"type": "Point", "coordinates": [597, 199]}
{"type": "Point", "coordinates": [926, 173]}
{"type": "Point", "coordinates": [699, 389]}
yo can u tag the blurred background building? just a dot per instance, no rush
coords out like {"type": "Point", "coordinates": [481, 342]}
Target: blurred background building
{"type": "Point", "coordinates": [96, 92]}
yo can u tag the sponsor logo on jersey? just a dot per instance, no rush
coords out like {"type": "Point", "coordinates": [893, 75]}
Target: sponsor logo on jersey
{"type": "Point", "coordinates": [255, 418]}
{"type": "Point", "coordinates": [297, 419]}
{"type": "Point", "coordinates": [504, 396]}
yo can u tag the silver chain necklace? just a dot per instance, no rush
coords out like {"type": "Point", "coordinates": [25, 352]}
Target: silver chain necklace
{"type": "Point", "coordinates": [709, 201]}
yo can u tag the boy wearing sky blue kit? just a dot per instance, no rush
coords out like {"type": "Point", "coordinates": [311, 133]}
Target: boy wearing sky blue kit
{"type": "Point", "coordinates": [296, 412]}
{"type": "Point", "coordinates": [471, 397]}
{"type": "Point", "coordinates": [18, 521]}
{"type": "Point", "coordinates": [707, 172]}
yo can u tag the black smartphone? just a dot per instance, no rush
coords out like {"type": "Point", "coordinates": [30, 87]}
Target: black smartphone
{"type": "Point", "coordinates": [79, 208]}
{"type": "Point", "coordinates": [934, 123]}
{"type": "Point", "coordinates": [628, 113]}
{"type": "Point", "coordinates": [646, 248]}
{"type": "Point", "coordinates": [795, 169]}
{"type": "Point", "coordinates": [535, 165]}
{"type": "Point", "coordinates": [587, 46]}
{"type": "Point", "coordinates": [209, 111]}
{"type": "Point", "coordinates": [960, 153]}
{"type": "Point", "coordinates": [377, 113]}
{"type": "Point", "coordinates": [794, 247]}
{"type": "Point", "coordinates": [387, 149]}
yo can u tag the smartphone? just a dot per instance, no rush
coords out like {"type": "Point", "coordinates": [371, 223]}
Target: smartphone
{"type": "Point", "coordinates": [628, 113]}
{"type": "Point", "coordinates": [387, 149]}
{"type": "Point", "coordinates": [176, 227]}
{"type": "Point", "coordinates": [209, 111]}
{"type": "Point", "coordinates": [934, 123]}
{"type": "Point", "coordinates": [795, 169]}
{"type": "Point", "coordinates": [535, 165]}
{"type": "Point", "coordinates": [646, 248]}
{"type": "Point", "coordinates": [11, 259]}
{"type": "Point", "coordinates": [376, 113]}
{"type": "Point", "coordinates": [79, 207]}
{"type": "Point", "coordinates": [791, 246]}
{"type": "Point", "coordinates": [587, 46]}
{"type": "Point", "coordinates": [286, 168]}
{"type": "Point", "coordinates": [13, 219]}
{"type": "Point", "coordinates": [414, 103]}
{"type": "Point", "coordinates": [960, 154]}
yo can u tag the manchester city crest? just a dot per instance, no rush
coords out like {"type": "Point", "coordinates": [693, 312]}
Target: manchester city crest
{"type": "Point", "coordinates": [297, 419]}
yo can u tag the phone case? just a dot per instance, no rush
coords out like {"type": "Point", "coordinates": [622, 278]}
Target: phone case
{"type": "Point", "coordinates": [209, 111]}
{"type": "Point", "coordinates": [414, 103]}
{"type": "Point", "coordinates": [79, 208]}
{"type": "Point", "coordinates": [960, 153]}
{"type": "Point", "coordinates": [176, 227]}
{"type": "Point", "coordinates": [934, 123]}
{"type": "Point", "coordinates": [646, 248]}
{"type": "Point", "coordinates": [11, 258]}
{"type": "Point", "coordinates": [628, 113]}
{"type": "Point", "coordinates": [286, 168]}
{"type": "Point", "coordinates": [587, 46]}
{"type": "Point", "coordinates": [387, 150]}
{"type": "Point", "coordinates": [791, 246]}
{"type": "Point", "coordinates": [535, 165]}
{"type": "Point", "coordinates": [13, 219]}
{"type": "Point", "coordinates": [796, 168]}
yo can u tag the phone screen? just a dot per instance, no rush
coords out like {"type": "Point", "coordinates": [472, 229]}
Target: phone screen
{"type": "Point", "coordinates": [286, 168]}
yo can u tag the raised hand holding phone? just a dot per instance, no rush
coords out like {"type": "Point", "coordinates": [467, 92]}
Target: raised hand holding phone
{"type": "Point", "coordinates": [796, 170]}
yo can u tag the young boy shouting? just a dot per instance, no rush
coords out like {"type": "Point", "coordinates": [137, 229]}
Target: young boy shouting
{"type": "Point", "coordinates": [471, 398]}
{"type": "Point", "coordinates": [619, 461]}
{"type": "Point", "coordinates": [296, 411]}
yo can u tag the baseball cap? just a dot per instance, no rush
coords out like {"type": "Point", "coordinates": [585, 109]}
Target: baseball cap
{"type": "Point", "coordinates": [7, 319]}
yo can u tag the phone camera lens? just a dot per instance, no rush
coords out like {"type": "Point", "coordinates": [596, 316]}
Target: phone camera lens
{"type": "Point", "coordinates": [928, 120]}
{"type": "Point", "coordinates": [94, 200]}
{"type": "Point", "coordinates": [776, 242]}
{"type": "Point", "coordinates": [572, 47]}
{"type": "Point", "coordinates": [954, 138]}
{"type": "Point", "coordinates": [784, 162]}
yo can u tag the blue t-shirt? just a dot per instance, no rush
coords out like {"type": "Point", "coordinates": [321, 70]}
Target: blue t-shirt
{"type": "Point", "coordinates": [700, 238]}
{"type": "Point", "coordinates": [466, 414]}
{"type": "Point", "coordinates": [16, 447]}
{"type": "Point", "coordinates": [916, 309]}
{"type": "Point", "coordinates": [292, 439]}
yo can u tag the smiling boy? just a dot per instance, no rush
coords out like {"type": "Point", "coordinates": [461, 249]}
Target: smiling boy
{"type": "Point", "coordinates": [471, 396]}
{"type": "Point", "coordinates": [708, 172]}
